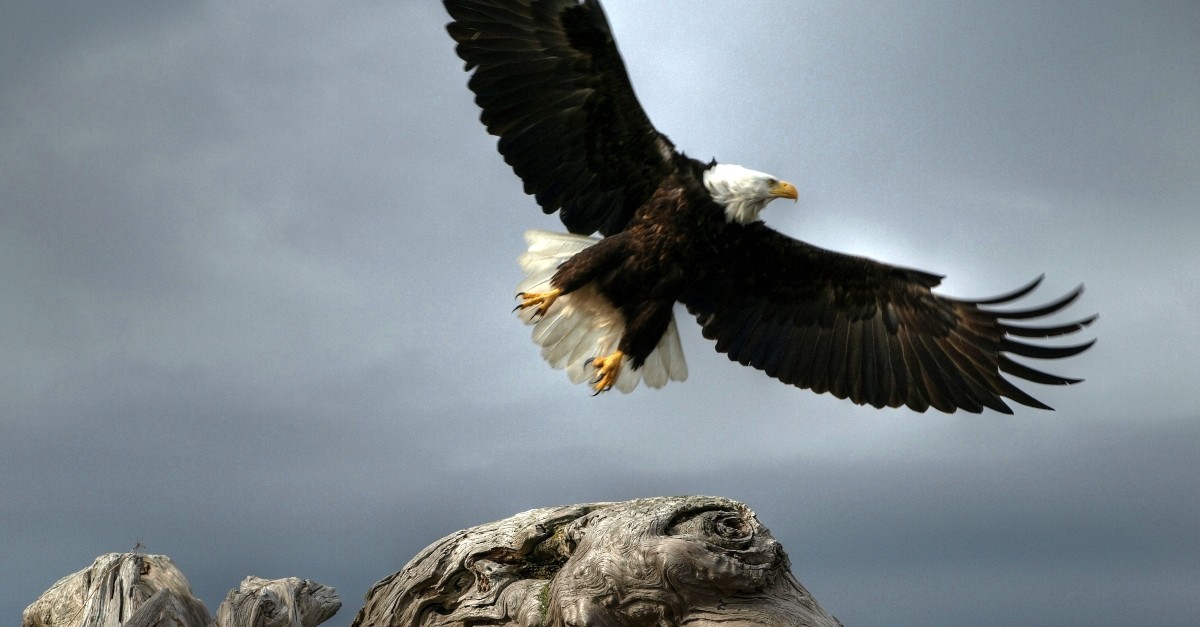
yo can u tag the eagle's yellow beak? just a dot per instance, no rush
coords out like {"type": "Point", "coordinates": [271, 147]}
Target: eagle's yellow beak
{"type": "Point", "coordinates": [784, 189]}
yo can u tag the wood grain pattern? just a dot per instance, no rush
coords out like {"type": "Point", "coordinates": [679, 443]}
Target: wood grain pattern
{"type": "Point", "coordinates": [660, 562]}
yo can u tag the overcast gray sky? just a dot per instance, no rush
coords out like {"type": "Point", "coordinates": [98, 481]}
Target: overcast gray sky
{"type": "Point", "coordinates": [257, 264]}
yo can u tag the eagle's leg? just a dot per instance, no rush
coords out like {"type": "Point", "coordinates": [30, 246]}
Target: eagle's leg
{"type": "Point", "coordinates": [542, 300]}
{"type": "Point", "coordinates": [607, 368]}
{"type": "Point", "coordinates": [582, 268]}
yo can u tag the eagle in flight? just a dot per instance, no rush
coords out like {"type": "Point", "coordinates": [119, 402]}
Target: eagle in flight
{"type": "Point", "coordinates": [553, 88]}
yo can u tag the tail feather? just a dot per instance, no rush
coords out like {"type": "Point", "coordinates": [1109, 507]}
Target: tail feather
{"type": "Point", "coordinates": [582, 325]}
{"type": "Point", "coordinates": [653, 371]}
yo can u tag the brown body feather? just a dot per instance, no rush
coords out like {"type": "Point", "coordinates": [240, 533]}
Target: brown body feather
{"type": "Point", "coordinates": [667, 249]}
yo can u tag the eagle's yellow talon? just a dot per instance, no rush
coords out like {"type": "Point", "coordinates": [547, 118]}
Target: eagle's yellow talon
{"type": "Point", "coordinates": [542, 300]}
{"type": "Point", "coordinates": [607, 370]}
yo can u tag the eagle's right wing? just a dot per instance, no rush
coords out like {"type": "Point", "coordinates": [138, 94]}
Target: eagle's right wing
{"type": "Point", "coordinates": [552, 86]}
{"type": "Point", "coordinates": [871, 332]}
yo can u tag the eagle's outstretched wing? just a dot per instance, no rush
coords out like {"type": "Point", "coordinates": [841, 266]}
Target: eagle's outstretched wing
{"type": "Point", "coordinates": [553, 87]}
{"type": "Point", "coordinates": [871, 332]}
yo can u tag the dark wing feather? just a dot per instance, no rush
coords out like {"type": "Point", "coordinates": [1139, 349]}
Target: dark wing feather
{"type": "Point", "coordinates": [870, 332]}
{"type": "Point", "coordinates": [552, 86]}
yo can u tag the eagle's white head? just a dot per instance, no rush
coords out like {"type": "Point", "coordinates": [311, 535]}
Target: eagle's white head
{"type": "Point", "coordinates": [743, 192]}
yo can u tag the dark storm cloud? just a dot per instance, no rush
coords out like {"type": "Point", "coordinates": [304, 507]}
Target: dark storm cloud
{"type": "Point", "coordinates": [257, 263]}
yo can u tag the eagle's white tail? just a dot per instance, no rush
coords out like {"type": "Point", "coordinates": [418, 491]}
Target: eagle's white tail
{"type": "Point", "coordinates": [582, 325]}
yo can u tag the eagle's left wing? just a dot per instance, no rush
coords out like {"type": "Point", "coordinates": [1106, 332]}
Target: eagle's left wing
{"type": "Point", "coordinates": [554, 89]}
{"type": "Point", "coordinates": [871, 332]}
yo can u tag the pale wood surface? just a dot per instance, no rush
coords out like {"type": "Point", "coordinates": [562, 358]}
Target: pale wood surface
{"type": "Point", "coordinates": [661, 562]}
{"type": "Point", "coordinates": [138, 590]}
{"type": "Point", "coordinates": [119, 590]}
{"type": "Point", "coordinates": [287, 602]}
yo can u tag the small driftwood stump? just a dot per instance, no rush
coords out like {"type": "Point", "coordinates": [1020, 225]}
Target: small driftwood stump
{"type": "Point", "coordinates": [119, 590]}
{"type": "Point", "coordinates": [287, 602]}
{"type": "Point", "coordinates": [136, 590]}
{"type": "Point", "coordinates": [662, 562]}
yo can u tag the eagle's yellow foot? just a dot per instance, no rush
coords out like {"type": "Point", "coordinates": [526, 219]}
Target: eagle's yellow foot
{"type": "Point", "coordinates": [542, 300]}
{"type": "Point", "coordinates": [607, 370]}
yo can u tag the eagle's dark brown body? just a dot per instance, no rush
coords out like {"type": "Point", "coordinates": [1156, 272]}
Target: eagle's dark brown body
{"type": "Point", "coordinates": [667, 249]}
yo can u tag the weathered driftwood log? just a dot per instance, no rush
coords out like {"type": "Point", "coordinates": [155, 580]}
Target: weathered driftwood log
{"type": "Point", "coordinates": [119, 590]}
{"type": "Point", "coordinates": [662, 562]}
{"type": "Point", "coordinates": [136, 590]}
{"type": "Point", "coordinates": [287, 602]}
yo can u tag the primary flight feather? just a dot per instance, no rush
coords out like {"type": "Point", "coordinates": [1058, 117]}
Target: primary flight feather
{"type": "Point", "coordinates": [553, 88]}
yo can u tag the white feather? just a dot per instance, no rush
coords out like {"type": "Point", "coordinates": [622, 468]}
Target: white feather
{"type": "Point", "coordinates": [582, 325]}
{"type": "Point", "coordinates": [743, 192]}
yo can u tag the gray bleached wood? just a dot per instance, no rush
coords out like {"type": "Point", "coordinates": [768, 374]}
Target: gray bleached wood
{"type": "Point", "coordinates": [138, 590]}
{"type": "Point", "coordinates": [661, 562]}
{"type": "Point", "coordinates": [119, 590]}
{"type": "Point", "coordinates": [290, 602]}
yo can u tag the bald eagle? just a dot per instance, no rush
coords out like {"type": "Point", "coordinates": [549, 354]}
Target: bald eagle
{"type": "Point", "coordinates": [553, 88]}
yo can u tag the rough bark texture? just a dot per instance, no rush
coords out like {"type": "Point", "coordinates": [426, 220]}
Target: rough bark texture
{"type": "Point", "coordinates": [287, 602]}
{"type": "Point", "coordinates": [119, 590]}
{"type": "Point", "coordinates": [136, 590]}
{"type": "Point", "coordinates": [662, 562]}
